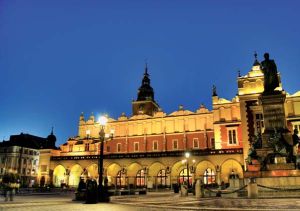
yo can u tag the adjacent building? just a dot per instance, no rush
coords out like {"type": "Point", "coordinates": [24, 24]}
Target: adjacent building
{"type": "Point", "coordinates": [21, 155]}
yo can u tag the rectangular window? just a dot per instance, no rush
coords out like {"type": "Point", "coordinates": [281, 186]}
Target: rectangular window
{"type": "Point", "coordinates": [155, 145]}
{"type": "Point", "coordinates": [136, 146]}
{"type": "Point", "coordinates": [107, 148]}
{"type": "Point", "coordinates": [212, 141]}
{"type": "Point", "coordinates": [118, 147]}
{"type": "Point", "coordinates": [87, 147]}
{"type": "Point", "coordinates": [43, 168]}
{"type": "Point", "coordinates": [175, 144]}
{"type": "Point", "coordinates": [259, 119]}
{"type": "Point", "coordinates": [195, 143]}
{"type": "Point", "coordinates": [70, 147]}
{"type": "Point", "coordinates": [232, 137]}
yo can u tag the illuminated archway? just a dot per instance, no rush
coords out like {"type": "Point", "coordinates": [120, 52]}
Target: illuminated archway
{"type": "Point", "coordinates": [230, 168]}
{"type": "Point", "coordinates": [202, 167]}
{"type": "Point", "coordinates": [140, 178]}
{"type": "Point", "coordinates": [209, 176]}
{"type": "Point", "coordinates": [59, 176]}
{"type": "Point", "coordinates": [92, 171]}
{"type": "Point", "coordinates": [112, 173]}
{"type": "Point", "coordinates": [132, 172]}
{"type": "Point", "coordinates": [75, 173]}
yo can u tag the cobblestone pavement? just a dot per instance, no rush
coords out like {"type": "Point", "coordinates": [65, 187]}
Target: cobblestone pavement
{"type": "Point", "coordinates": [151, 201]}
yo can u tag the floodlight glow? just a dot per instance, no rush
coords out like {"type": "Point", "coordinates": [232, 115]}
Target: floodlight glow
{"type": "Point", "coordinates": [102, 120]}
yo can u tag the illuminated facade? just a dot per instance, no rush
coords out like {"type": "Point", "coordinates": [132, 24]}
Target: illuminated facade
{"type": "Point", "coordinates": [148, 147]}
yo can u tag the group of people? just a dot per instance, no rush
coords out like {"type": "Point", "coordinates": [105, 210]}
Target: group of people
{"type": "Point", "coordinates": [9, 185]}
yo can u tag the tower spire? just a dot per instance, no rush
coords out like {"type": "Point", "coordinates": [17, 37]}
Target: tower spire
{"type": "Point", "coordinates": [146, 68]}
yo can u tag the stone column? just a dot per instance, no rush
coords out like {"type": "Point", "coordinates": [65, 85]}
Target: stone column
{"type": "Point", "coordinates": [218, 170]}
{"type": "Point", "coordinates": [252, 188]}
{"type": "Point", "coordinates": [199, 189]}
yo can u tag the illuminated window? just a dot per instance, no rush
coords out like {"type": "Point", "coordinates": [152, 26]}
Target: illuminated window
{"type": "Point", "coordinates": [88, 133]}
{"type": "Point", "coordinates": [232, 137]}
{"type": "Point", "coordinates": [43, 168]}
{"type": "Point", "coordinates": [162, 178]}
{"type": "Point", "coordinates": [195, 143]}
{"type": "Point", "coordinates": [259, 123]}
{"type": "Point", "coordinates": [212, 141]}
{"type": "Point", "coordinates": [136, 146]}
{"type": "Point", "coordinates": [175, 144]}
{"type": "Point", "coordinates": [87, 147]}
{"type": "Point", "coordinates": [70, 147]}
{"type": "Point", "coordinates": [184, 176]}
{"type": "Point", "coordinates": [140, 178]}
{"type": "Point", "coordinates": [121, 179]}
{"type": "Point", "coordinates": [118, 147]}
{"type": "Point", "coordinates": [209, 176]}
{"type": "Point", "coordinates": [155, 145]}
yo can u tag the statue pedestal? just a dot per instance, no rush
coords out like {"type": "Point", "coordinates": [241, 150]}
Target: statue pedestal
{"type": "Point", "coordinates": [274, 114]}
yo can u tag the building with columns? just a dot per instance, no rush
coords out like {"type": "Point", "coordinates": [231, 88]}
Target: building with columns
{"type": "Point", "coordinates": [148, 147]}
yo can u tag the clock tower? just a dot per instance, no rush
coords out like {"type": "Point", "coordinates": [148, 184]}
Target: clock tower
{"type": "Point", "coordinates": [145, 103]}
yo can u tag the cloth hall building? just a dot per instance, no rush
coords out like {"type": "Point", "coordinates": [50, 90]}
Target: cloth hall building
{"type": "Point", "coordinates": [148, 147]}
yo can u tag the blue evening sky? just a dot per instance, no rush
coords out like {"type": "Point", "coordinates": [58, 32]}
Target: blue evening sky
{"type": "Point", "coordinates": [59, 58]}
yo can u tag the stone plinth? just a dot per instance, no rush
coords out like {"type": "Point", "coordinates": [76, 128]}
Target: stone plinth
{"type": "Point", "coordinates": [273, 110]}
{"type": "Point", "coordinates": [281, 166]}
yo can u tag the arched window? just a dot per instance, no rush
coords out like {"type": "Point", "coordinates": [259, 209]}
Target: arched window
{"type": "Point", "coordinates": [209, 176]}
{"type": "Point", "coordinates": [140, 178]}
{"type": "Point", "coordinates": [121, 179]}
{"type": "Point", "coordinates": [162, 178]}
{"type": "Point", "coordinates": [184, 176]}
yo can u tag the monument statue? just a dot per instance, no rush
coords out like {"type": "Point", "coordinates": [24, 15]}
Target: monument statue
{"type": "Point", "coordinates": [214, 91]}
{"type": "Point", "coordinates": [269, 69]}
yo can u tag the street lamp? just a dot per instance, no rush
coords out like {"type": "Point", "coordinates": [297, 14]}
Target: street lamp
{"type": "Point", "coordinates": [103, 196]}
{"type": "Point", "coordinates": [187, 156]}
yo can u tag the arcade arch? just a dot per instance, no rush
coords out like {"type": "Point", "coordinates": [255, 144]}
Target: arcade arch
{"type": "Point", "coordinates": [59, 176]}
{"type": "Point", "coordinates": [75, 173]}
{"type": "Point", "coordinates": [231, 168]}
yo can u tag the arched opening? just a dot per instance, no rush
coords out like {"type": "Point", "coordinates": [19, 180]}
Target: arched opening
{"type": "Point", "coordinates": [185, 176]}
{"type": "Point", "coordinates": [140, 178]}
{"type": "Point", "coordinates": [209, 176]}
{"type": "Point", "coordinates": [231, 169]}
{"type": "Point", "coordinates": [59, 176]}
{"type": "Point", "coordinates": [42, 181]}
{"type": "Point", "coordinates": [75, 173]}
{"type": "Point", "coordinates": [121, 179]}
{"type": "Point", "coordinates": [162, 179]}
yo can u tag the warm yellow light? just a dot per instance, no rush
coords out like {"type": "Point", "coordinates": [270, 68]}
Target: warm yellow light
{"type": "Point", "coordinates": [187, 154]}
{"type": "Point", "coordinates": [112, 131]}
{"type": "Point", "coordinates": [102, 120]}
{"type": "Point", "coordinates": [194, 161]}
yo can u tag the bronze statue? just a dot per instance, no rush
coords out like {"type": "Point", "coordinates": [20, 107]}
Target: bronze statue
{"type": "Point", "coordinates": [214, 91]}
{"type": "Point", "coordinates": [269, 69]}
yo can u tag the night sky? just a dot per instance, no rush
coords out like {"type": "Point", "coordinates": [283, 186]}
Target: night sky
{"type": "Point", "coordinates": [59, 58]}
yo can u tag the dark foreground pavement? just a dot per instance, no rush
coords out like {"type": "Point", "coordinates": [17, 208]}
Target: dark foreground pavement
{"type": "Point", "coordinates": [151, 201]}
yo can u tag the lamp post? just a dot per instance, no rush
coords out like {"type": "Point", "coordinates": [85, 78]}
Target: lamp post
{"type": "Point", "coordinates": [187, 156]}
{"type": "Point", "coordinates": [102, 195]}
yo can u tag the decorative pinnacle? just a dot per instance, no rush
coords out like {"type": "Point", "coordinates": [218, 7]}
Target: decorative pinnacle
{"type": "Point", "coordinates": [255, 55]}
